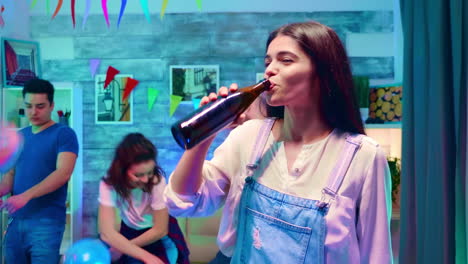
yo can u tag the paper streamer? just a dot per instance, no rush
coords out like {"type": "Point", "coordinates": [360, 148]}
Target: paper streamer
{"type": "Point", "coordinates": [152, 97]}
{"type": "Point", "coordinates": [175, 101]}
{"type": "Point", "coordinates": [104, 11]}
{"type": "Point", "coordinates": [72, 7]}
{"type": "Point", "coordinates": [111, 73]}
{"type": "Point", "coordinates": [57, 9]}
{"type": "Point", "coordinates": [2, 22]}
{"type": "Point", "coordinates": [199, 4]}
{"type": "Point", "coordinates": [163, 8]}
{"type": "Point", "coordinates": [196, 102]}
{"type": "Point", "coordinates": [86, 13]}
{"type": "Point", "coordinates": [93, 66]}
{"type": "Point", "coordinates": [33, 4]}
{"type": "Point", "coordinates": [48, 6]}
{"type": "Point", "coordinates": [144, 5]}
{"type": "Point", "coordinates": [122, 9]}
{"type": "Point", "coordinates": [129, 86]}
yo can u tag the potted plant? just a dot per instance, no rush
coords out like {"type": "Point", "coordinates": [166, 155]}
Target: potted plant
{"type": "Point", "coordinates": [395, 172]}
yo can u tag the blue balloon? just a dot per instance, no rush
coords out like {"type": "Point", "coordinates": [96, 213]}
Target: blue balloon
{"type": "Point", "coordinates": [87, 251]}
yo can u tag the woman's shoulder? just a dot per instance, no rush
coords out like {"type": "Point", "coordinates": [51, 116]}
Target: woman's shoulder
{"type": "Point", "coordinates": [367, 145]}
{"type": "Point", "coordinates": [104, 186]}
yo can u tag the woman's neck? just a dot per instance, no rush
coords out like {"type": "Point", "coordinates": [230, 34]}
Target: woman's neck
{"type": "Point", "coordinates": [303, 127]}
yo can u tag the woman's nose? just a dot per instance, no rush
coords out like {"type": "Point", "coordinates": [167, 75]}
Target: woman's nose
{"type": "Point", "coordinates": [270, 70]}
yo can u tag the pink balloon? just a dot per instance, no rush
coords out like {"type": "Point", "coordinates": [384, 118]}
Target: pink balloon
{"type": "Point", "coordinates": [11, 144]}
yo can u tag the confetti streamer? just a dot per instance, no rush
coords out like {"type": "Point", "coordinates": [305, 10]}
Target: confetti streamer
{"type": "Point", "coordinates": [175, 101]}
{"type": "Point", "coordinates": [2, 22]}
{"type": "Point", "coordinates": [104, 11]}
{"type": "Point", "coordinates": [86, 13]}
{"type": "Point", "coordinates": [33, 4]}
{"type": "Point", "coordinates": [129, 86]}
{"type": "Point", "coordinates": [152, 97]}
{"type": "Point", "coordinates": [163, 8]}
{"type": "Point", "coordinates": [72, 7]}
{"type": "Point", "coordinates": [144, 5]}
{"type": "Point", "coordinates": [122, 9]}
{"type": "Point", "coordinates": [57, 9]}
{"type": "Point", "coordinates": [111, 72]}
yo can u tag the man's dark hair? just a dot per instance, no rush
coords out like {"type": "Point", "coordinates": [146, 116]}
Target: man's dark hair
{"type": "Point", "coordinates": [39, 86]}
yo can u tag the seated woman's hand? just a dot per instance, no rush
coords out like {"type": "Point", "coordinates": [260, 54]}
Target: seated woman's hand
{"type": "Point", "coordinates": [224, 92]}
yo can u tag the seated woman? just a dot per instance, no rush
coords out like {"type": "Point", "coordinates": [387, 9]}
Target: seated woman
{"type": "Point", "coordinates": [134, 184]}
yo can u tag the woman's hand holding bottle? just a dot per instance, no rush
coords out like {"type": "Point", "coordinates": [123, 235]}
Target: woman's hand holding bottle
{"type": "Point", "coordinates": [224, 92]}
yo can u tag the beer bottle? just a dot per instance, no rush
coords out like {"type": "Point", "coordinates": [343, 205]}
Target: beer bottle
{"type": "Point", "coordinates": [214, 116]}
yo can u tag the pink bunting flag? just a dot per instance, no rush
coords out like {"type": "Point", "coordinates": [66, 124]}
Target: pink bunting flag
{"type": "Point", "coordinates": [111, 73]}
{"type": "Point", "coordinates": [129, 86]}
{"type": "Point", "coordinates": [93, 66]}
{"type": "Point", "coordinates": [104, 11]}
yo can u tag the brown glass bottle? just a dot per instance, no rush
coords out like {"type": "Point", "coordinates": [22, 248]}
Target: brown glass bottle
{"type": "Point", "coordinates": [214, 116]}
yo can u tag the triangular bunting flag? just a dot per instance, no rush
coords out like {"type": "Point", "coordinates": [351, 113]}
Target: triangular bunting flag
{"type": "Point", "coordinates": [175, 101]}
{"type": "Point", "coordinates": [111, 72]}
{"type": "Point", "coordinates": [129, 86]}
{"type": "Point", "coordinates": [152, 96]}
{"type": "Point", "coordinates": [93, 66]}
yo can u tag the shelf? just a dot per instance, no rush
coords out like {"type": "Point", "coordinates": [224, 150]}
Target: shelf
{"type": "Point", "coordinates": [384, 125]}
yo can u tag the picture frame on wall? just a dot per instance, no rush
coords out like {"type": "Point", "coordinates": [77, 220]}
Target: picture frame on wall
{"type": "Point", "coordinates": [193, 81]}
{"type": "Point", "coordinates": [20, 61]}
{"type": "Point", "coordinates": [109, 106]}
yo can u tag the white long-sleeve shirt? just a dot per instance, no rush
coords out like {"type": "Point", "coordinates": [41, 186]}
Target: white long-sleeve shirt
{"type": "Point", "coordinates": [358, 221]}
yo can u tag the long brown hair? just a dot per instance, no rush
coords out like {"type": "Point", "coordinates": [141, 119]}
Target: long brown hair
{"type": "Point", "coordinates": [323, 46]}
{"type": "Point", "coordinates": [133, 149]}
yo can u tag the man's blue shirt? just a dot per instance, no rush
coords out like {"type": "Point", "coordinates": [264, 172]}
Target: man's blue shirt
{"type": "Point", "coordinates": [38, 160]}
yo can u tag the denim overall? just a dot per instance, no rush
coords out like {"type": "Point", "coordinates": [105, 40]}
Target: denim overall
{"type": "Point", "coordinates": [279, 228]}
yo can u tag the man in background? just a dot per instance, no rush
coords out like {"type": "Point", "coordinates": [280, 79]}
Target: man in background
{"type": "Point", "coordinates": [38, 182]}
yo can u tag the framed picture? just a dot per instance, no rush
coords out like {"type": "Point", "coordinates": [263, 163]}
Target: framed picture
{"type": "Point", "coordinates": [20, 62]}
{"type": "Point", "coordinates": [109, 106]}
{"type": "Point", "coordinates": [193, 81]}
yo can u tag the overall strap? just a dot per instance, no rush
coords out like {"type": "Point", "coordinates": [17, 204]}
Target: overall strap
{"type": "Point", "coordinates": [259, 145]}
{"type": "Point", "coordinates": [353, 143]}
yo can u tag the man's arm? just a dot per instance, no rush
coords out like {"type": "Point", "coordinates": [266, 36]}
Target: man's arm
{"type": "Point", "coordinates": [7, 182]}
{"type": "Point", "coordinates": [65, 165]}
